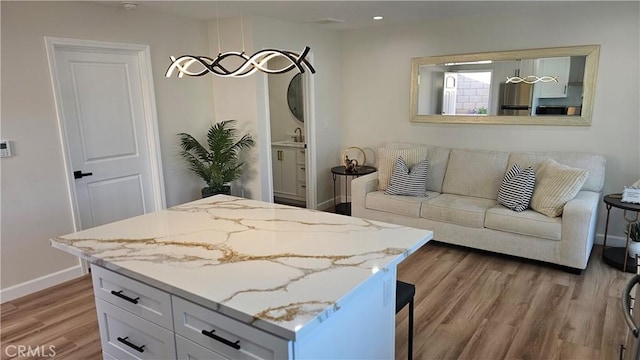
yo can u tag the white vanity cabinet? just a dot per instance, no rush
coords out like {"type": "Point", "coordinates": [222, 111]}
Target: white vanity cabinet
{"type": "Point", "coordinates": [558, 67]}
{"type": "Point", "coordinates": [301, 174]}
{"type": "Point", "coordinates": [288, 166]}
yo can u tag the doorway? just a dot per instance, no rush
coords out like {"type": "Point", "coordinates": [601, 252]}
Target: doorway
{"type": "Point", "coordinates": [290, 119]}
{"type": "Point", "coordinates": [108, 127]}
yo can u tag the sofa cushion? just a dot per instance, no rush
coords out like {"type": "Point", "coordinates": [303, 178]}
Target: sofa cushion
{"type": "Point", "coordinates": [438, 159]}
{"type": "Point", "coordinates": [397, 204]}
{"type": "Point", "coordinates": [475, 173]}
{"type": "Point", "coordinates": [556, 185]}
{"type": "Point", "coordinates": [516, 188]}
{"type": "Point", "coordinates": [387, 158]}
{"type": "Point", "coordinates": [408, 182]}
{"type": "Point", "coordinates": [457, 209]}
{"type": "Point", "coordinates": [528, 222]}
{"type": "Point", "coordinates": [593, 163]}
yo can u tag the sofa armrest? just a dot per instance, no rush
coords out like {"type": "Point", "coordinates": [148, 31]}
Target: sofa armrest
{"type": "Point", "coordinates": [360, 186]}
{"type": "Point", "coordinates": [579, 225]}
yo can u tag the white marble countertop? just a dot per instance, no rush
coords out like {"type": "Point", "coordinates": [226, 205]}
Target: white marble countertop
{"type": "Point", "coordinates": [282, 269]}
{"type": "Point", "coordinates": [286, 143]}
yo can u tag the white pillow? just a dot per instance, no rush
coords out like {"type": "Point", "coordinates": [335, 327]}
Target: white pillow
{"type": "Point", "coordinates": [556, 184]}
{"type": "Point", "coordinates": [387, 158]}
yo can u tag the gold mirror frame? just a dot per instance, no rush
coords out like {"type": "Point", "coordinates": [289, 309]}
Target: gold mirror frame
{"type": "Point", "coordinates": [592, 53]}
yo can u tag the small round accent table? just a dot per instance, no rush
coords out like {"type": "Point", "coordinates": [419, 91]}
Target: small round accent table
{"type": "Point", "coordinates": [345, 208]}
{"type": "Point", "coordinates": [618, 257]}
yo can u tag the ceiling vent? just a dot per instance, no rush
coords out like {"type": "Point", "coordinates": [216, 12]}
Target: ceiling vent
{"type": "Point", "coordinates": [325, 21]}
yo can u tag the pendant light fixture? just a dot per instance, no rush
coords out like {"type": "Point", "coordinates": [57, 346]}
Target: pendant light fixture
{"type": "Point", "coordinates": [529, 79]}
{"type": "Point", "coordinates": [200, 65]}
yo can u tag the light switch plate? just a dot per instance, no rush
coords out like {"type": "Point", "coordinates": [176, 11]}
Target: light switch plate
{"type": "Point", "coordinates": [5, 148]}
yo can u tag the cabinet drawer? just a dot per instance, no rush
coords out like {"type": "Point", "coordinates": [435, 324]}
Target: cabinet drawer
{"type": "Point", "coordinates": [227, 336]}
{"type": "Point", "coordinates": [188, 350]}
{"type": "Point", "coordinates": [106, 356]}
{"type": "Point", "coordinates": [301, 190]}
{"type": "Point", "coordinates": [126, 336]}
{"type": "Point", "coordinates": [141, 299]}
{"type": "Point", "coordinates": [300, 157]}
{"type": "Point", "coordinates": [301, 173]}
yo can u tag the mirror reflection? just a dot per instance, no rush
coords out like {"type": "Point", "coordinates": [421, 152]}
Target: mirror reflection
{"type": "Point", "coordinates": [294, 97]}
{"type": "Point", "coordinates": [540, 86]}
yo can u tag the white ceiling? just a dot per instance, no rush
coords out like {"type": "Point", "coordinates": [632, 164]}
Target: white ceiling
{"type": "Point", "coordinates": [356, 14]}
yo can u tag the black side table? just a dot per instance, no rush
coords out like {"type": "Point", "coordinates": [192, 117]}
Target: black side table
{"type": "Point", "coordinates": [345, 208]}
{"type": "Point", "coordinates": [618, 257]}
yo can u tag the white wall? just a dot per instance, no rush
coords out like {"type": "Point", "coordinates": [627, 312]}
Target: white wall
{"type": "Point", "coordinates": [246, 99]}
{"type": "Point", "coordinates": [35, 203]}
{"type": "Point", "coordinates": [376, 72]}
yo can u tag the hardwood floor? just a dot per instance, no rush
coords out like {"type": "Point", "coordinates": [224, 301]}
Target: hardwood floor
{"type": "Point", "coordinates": [63, 316]}
{"type": "Point", "coordinates": [473, 305]}
{"type": "Point", "coordinates": [468, 305]}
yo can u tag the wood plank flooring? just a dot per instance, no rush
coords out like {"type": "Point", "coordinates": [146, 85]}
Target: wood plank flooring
{"type": "Point", "coordinates": [63, 316]}
{"type": "Point", "coordinates": [468, 305]}
{"type": "Point", "coordinates": [474, 305]}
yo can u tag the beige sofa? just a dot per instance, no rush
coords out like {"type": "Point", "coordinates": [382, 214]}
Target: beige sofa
{"type": "Point", "coordinates": [461, 206]}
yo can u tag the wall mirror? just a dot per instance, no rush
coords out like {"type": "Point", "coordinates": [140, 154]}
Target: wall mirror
{"type": "Point", "coordinates": [473, 88]}
{"type": "Point", "coordinates": [294, 97]}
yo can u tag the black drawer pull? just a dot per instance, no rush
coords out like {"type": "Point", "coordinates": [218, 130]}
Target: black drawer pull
{"type": "Point", "coordinates": [211, 334]}
{"type": "Point", "coordinates": [134, 347]}
{"type": "Point", "coordinates": [125, 297]}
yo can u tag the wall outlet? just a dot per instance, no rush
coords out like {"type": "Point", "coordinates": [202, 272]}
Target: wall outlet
{"type": "Point", "coordinates": [5, 148]}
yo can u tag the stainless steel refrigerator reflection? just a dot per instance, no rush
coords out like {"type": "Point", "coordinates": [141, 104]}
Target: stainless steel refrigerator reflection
{"type": "Point", "coordinates": [515, 99]}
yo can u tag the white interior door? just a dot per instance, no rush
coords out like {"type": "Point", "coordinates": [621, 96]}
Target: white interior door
{"type": "Point", "coordinates": [450, 93]}
{"type": "Point", "coordinates": [108, 128]}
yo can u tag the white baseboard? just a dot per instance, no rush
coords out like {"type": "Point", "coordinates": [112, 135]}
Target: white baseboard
{"type": "Point", "coordinates": [43, 282]}
{"type": "Point", "coordinates": [611, 240]}
{"type": "Point", "coordinates": [325, 205]}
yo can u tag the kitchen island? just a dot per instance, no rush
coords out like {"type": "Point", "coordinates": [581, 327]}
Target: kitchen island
{"type": "Point", "coordinates": [226, 277]}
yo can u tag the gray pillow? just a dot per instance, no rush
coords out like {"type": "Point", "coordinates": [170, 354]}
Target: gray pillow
{"type": "Point", "coordinates": [405, 181]}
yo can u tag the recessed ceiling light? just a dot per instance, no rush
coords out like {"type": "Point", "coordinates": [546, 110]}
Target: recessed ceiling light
{"type": "Point", "coordinates": [377, 18]}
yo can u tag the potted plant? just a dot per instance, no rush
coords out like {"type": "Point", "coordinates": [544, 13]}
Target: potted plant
{"type": "Point", "coordinates": [634, 237]}
{"type": "Point", "coordinates": [218, 164]}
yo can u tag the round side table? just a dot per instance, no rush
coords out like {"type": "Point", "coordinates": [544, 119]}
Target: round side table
{"type": "Point", "coordinates": [618, 257]}
{"type": "Point", "coordinates": [345, 208]}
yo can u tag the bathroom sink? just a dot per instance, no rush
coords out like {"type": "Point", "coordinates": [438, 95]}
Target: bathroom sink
{"type": "Point", "coordinates": [289, 143]}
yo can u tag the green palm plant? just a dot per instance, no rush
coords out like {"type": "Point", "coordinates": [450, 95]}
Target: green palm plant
{"type": "Point", "coordinates": [218, 165]}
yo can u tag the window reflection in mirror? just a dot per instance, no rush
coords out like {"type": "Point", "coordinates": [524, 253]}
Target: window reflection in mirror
{"type": "Point", "coordinates": [474, 88]}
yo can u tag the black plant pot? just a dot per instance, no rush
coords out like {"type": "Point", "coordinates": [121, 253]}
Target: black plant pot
{"type": "Point", "coordinates": [209, 191]}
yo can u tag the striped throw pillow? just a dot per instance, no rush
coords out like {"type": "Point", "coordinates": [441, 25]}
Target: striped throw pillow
{"type": "Point", "coordinates": [387, 158]}
{"type": "Point", "coordinates": [517, 187]}
{"type": "Point", "coordinates": [556, 185]}
{"type": "Point", "coordinates": [405, 181]}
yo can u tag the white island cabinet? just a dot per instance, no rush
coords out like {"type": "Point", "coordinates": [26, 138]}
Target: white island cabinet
{"type": "Point", "coordinates": [231, 278]}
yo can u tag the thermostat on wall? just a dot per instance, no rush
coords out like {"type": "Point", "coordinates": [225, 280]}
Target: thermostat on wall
{"type": "Point", "coordinates": [5, 148]}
